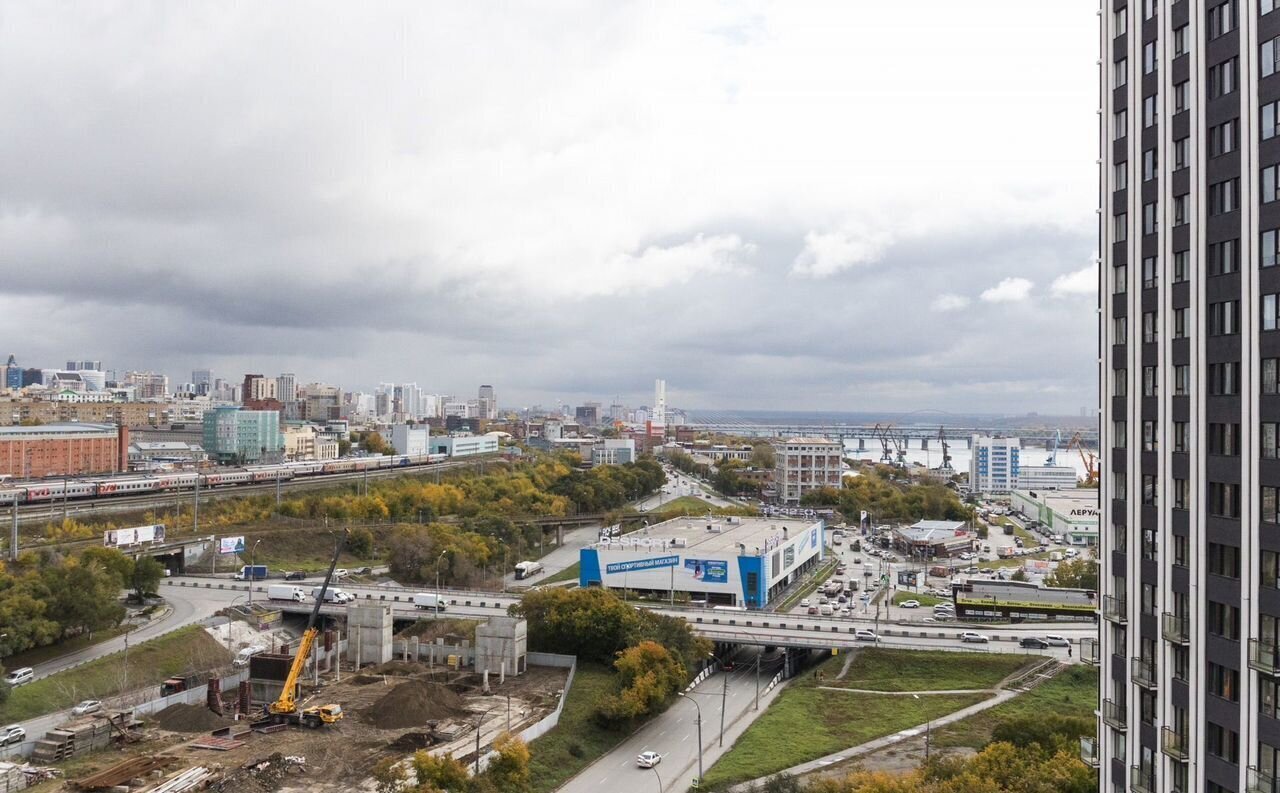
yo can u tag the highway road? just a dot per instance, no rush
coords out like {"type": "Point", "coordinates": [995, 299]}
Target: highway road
{"type": "Point", "coordinates": [560, 558]}
{"type": "Point", "coordinates": [674, 733]}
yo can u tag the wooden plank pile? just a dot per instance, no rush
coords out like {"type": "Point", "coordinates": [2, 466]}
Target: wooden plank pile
{"type": "Point", "coordinates": [81, 737]}
{"type": "Point", "coordinates": [124, 772]}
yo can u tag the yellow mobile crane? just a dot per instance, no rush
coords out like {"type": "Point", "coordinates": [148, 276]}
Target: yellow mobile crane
{"type": "Point", "coordinates": [285, 709]}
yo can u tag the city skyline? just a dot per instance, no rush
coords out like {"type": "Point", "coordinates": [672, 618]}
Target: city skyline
{"type": "Point", "coordinates": [281, 217]}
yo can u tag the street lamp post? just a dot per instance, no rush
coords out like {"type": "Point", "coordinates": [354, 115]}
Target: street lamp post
{"type": "Point", "coordinates": [654, 769]}
{"type": "Point", "coordinates": [927, 724]}
{"type": "Point", "coordinates": [438, 560]}
{"type": "Point", "coordinates": [699, 723]}
{"type": "Point", "coordinates": [253, 554]}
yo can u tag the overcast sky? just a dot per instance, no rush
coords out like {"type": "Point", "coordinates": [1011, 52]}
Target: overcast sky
{"type": "Point", "coordinates": [843, 206]}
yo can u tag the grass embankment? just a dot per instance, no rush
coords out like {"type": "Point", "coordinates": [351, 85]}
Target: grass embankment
{"type": "Point", "coordinates": [927, 601]}
{"type": "Point", "coordinates": [921, 670]}
{"type": "Point", "coordinates": [308, 549]}
{"type": "Point", "coordinates": [685, 505]}
{"type": "Point", "coordinates": [430, 630]}
{"type": "Point", "coordinates": [184, 651]}
{"type": "Point", "coordinates": [810, 585]}
{"type": "Point", "coordinates": [1015, 561]}
{"type": "Point", "coordinates": [39, 655]}
{"type": "Point", "coordinates": [570, 573]}
{"type": "Point", "coordinates": [1029, 540]}
{"type": "Point", "coordinates": [1073, 692]}
{"type": "Point", "coordinates": [578, 740]}
{"type": "Point", "coordinates": [806, 722]}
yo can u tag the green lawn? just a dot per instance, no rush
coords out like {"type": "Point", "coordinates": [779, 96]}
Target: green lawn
{"type": "Point", "coordinates": [685, 505]}
{"type": "Point", "coordinates": [921, 670]}
{"type": "Point", "coordinates": [577, 741]}
{"type": "Point", "coordinates": [1073, 692]}
{"type": "Point", "coordinates": [927, 601]}
{"type": "Point", "coordinates": [1029, 540]}
{"type": "Point", "coordinates": [805, 723]}
{"type": "Point", "coordinates": [1014, 562]}
{"type": "Point", "coordinates": [184, 651]}
{"type": "Point", "coordinates": [570, 573]}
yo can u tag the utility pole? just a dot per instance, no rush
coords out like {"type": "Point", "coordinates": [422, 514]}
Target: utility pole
{"type": "Point", "coordinates": [757, 707]}
{"type": "Point", "coordinates": [195, 508]}
{"type": "Point", "coordinates": [277, 489]}
{"type": "Point", "coordinates": [13, 539]}
{"type": "Point", "coordinates": [724, 699]}
{"type": "Point", "coordinates": [699, 723]}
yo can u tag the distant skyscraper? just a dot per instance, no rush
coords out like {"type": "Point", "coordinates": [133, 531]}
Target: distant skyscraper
{"type": "Point", "coordinates": [12, 374]}
{"type": "Point", "coordinates": [488, 402]}
{"type": "Point", "coordinates": [147, 385]}
{"type": "Point", "coordinates": [78, 366]}
{"type": "Point", "coordinates": [658, 416]}
{"type": "Point", "coordinates": [287, 388]}
{"type": "Point", "coordinates": [202, 380]}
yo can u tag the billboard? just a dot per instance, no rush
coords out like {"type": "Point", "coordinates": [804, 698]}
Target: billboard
{"type": "Point", "coordinates": [711, 571]}
{"type": "Point", "coordinates": [231, 545]}
{"type": "Point", "coordinates": [636, 565]}
{"type": "Point", "coordinates": [788, 557]}
{"type": "Point", "coordinates": [123, 538]}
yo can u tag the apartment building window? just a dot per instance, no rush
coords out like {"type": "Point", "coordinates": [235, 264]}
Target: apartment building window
{"type": "Point", "coordinates": [1224, 620]}
{"type": "Point", "coordinates": [1120, 176]}
{"type": "Point", "coordinates": [1270, 569]}
{"type": "Point", "coordinates": [1224, 138]}
{"type": "Point", "coordinates": [1270, 375]}
{"type": "Point", "coordinates": [1224, 682]}
{"type": "Point", "coordinates": [1270, 56]}
{"type": "Point", "coordinates": [1149, 8]}
{"type": "Point", "coordinates": [1119, 434]}
{"type": "Point", "coordinates": [1180, 436]}
{"type": "Point", "coordinates": [1120, 228]}
{"type": "Point", "coordinates": [1181, 493]}
{"type": "Point", "coordinates": [1150, 110]}
{"type": "Point", "coordinates": [1119, 488]}
{"type": "Point", "coordinates": [1181, 96]}
{"type": "Point", "coordinates": [1182, 380]}
{"type": "Point", "coordinates": [1224, 560]}
{"type": "Point", "coordinates": [1224, 318]}
{"type": "Point", "coordinates": [1150, 164]}
{"type": "Point", "coordinates": [1150, 381]}
{"type": "Point", "coordinates": [1269, 431]}
{"type": "Point", "coordinates": [1181, 259]}
{"type": "Point", "coordinates": [1181, 41]}
{"type": "Point", "coordinates": [1223, 257]}
{"type": "Point", "coordinates": [1180, 547]}
{"type": "Point", "coordinates": [1150, 57]}
{"type": "Point", "coordinates": [1120, 382]}
{"type": "Point", "coordinates": [1180, 327]}
{"type": "Point", "coordinates": [1119, 120]}
{"type": "Point", "coordinates": [1270, 319]}
{"type": "Point", "coordinates": [1221, 19]}
{"type": "Point", "coordinates": [1224, 499]}
{"type": "Point", "coordinates": [1119, 330]}
{"type": "Point", "coordinates": [1150, 326]}
{"type": "Point", "coordinates": [1269, 175]}
{"type": "Point", "coordinates": [1224, 378]}
{"type": "Point", "coordinates": [1181, 153]}
{"type": "Point", "coordinates": [1267, 6]}
{"type": "Point", "coordinates": [1222, 742]}
{"type": "Point", "coordinates": [1266, 696]}
{"type": "Point", "coordinates": [1121, 278]}
{"type": "Point", "coordinates": [1150, 490]}
{"type": "Point", "coordinates": [1268, 114]}
{"type": "Point", "coordinates": [1121, 73]}
{"type": "Point", "coordinates": [1151, 217]}
{"type": "Point", "coordinates": [1269, 248]}
{"type": "Point", "coordinates": [1269, 513]}
{"type": "Point", "coordinates": [1181, 209]}
{"type": "Point", "coordinates": [1120, 21]}
{"type": "Point", "coordinates": [1151, 436]}
{"type": "Point", "coordinates": [1222, 79]}
{"type": "Point", "coordinates": [1224, 439]}
{"type": "Point", "coordinates": [1224, 197]}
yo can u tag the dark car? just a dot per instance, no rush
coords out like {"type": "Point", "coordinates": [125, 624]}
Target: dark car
{"type": "Point", "coordinates": [295, 575]}
{"type": "Point", "coordinates": [1033, 643]}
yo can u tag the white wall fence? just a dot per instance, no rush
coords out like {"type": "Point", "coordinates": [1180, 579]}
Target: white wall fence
{"type": "Point", "coordinates": [548, 722]}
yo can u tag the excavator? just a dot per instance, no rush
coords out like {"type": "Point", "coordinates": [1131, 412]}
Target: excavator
{"type": "Point", "coordinates": [285, 709]}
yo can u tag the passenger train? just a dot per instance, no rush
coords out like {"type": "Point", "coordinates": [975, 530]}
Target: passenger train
{"type": "Point", "coordinates": [47, 490]}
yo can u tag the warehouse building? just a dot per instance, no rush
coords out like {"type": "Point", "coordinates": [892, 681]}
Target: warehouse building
{"type": "Point", "coordinates": [63, 450]}
{"type": "Point", "coordinates": [729, 561]}
{"type": "Point", "coordinates": [1072, 513]}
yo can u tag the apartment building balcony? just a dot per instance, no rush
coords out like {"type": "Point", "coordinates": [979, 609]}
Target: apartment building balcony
{"type": "Point", "coordinates": [1264, 657]}
{"type": "Point", "coordinates": [1143, 672]}
{"type": "Point", "coordinates": [1089, 752]}
{"type": "Point", "coordinates": [1177, 629]}
{"type": "Point", "coordinates": [1174, 744]}
{"type": "Point", "coordinates": [1142, 778]}
{"type": "Point", "coordinates": [1115, 609]}
{"type": "Point", "coordinates": [1259, 781]}
{"type": "Point", "coordinates": [1089, 652]}
{"type": "Point", "coordinates": [1114, 715]}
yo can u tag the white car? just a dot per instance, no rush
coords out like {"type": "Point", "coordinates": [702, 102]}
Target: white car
{"type": "Point", "coordinates": [864, 635]}
{"type": "Point", "coordinates": [12, 734]}
{"type": "Point", "coordinates": [970, 636]}
{"type": "Point", "coordinates": [648, 759]}
{"type": "Point", "coordinates": [88, 706]}
{"type": "Point", "coordinates": [1057, 641]}
{"type": "Point", "coordinates": [804, 602]}
{"type": "Point", "coordinates": [910, 604]}
{"type": "Point", "coordinates": [341, 572]}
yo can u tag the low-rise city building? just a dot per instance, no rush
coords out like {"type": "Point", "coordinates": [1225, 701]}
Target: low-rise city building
{"type": "Point", "coordinates": [235, 435]}
{"type": "Point", "coordinates": [1046, 477]}
{"type": "Point", "coordinates": [995, 464]}
{"type": "Point", "coordinates": [409, 439]}
{"type": "Point", "coordinates": [930, 539]}
{"type": "Point", "coordinates": [464, 445]}
{"type": "Point", "coordinates": [1071, 512]}
{"type": "Point", "coordinates": [802, 465]}
{"type": "Point", "coordinates": [63, 450]}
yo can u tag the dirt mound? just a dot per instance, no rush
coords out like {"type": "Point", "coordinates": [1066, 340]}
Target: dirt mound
{"type": "Point", "coordinates": [399, 669]}
{"type": "Point", "coordinates": [413, 703]}
{"type": "Point", "coordinates": [188, 718]}
{"type": "Point", "coordinates": [412, 742]}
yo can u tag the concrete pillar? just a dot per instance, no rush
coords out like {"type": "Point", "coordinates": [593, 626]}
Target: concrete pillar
{"type": "Point", "coordinates": [924, 443]}
{"type": "Point", "coordinates": [862, 444]}
{"type": "Point", "coordinates": [559, 535]}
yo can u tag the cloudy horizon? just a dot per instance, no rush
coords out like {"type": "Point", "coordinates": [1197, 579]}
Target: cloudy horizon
{"type": "Point", "coordinates": [809, 206]}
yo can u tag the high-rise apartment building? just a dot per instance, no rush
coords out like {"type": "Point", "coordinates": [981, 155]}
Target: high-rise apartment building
{"type": "Point", "coordinates": [1189, 639]}
{"type": "Point", "coordinates": [995, 465]}
{"type": "Point", "coordinates": [488, 402]}
{"type": "Point", "coordinates": [148, 385]}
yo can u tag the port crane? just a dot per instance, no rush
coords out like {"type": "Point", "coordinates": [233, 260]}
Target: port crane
{"type": "Point", "coordinates": [945, 468]}
{"type": "Point", "coordinates": [882, 435]}
{"type": "Point", "coordinates": [1089, 459]}
{"type": "Point", "coordinates": [285, 709]}
{"type": "Point", "coordinates": [1052, 459]}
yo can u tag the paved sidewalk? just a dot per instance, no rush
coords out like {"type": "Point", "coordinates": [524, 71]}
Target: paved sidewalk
{"type": "Point", "coordinates": [912, 693]}
{"type": "Point", "coordinates": [880, 743]}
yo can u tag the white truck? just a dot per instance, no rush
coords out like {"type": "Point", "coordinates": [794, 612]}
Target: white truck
{"type": "Point", "coordinates": [427, 600]}
{"type": "Point", "coordinates": [286, 592]}
{"type": "Point", "coordinates": [334, 595]}
{"type": "Point", "coordinates": [528, 569]}
{"type": "Point", "coordinates": [242, 657]}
